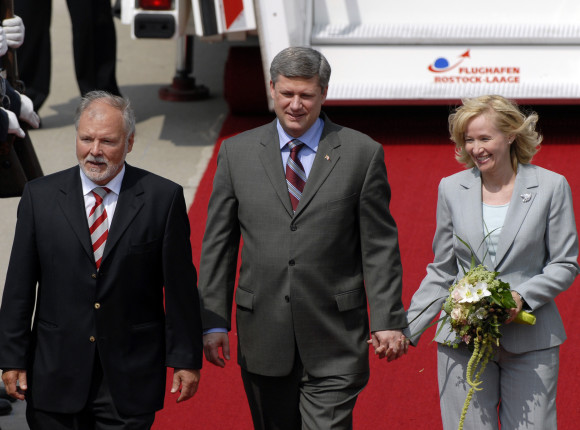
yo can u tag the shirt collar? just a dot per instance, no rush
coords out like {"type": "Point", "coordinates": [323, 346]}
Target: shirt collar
{"type": "Point", "coordinates": [311, 138]}
{"type": "Point", "coordinates": [113, 185]}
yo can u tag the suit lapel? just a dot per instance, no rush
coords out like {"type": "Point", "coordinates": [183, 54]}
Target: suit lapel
{"type": "Point", "coordinates": [327, 155]}
{"type": "Point", "coordinates": [525, 191]}
{"type": "Point", "coordinates": [71, 201]}
{"type": "Point", "coordinates": [272, 162]}
{"type": "Point", "coordinates": [472, 215]}
{"type": "Point", "coordinates": [130, 202]}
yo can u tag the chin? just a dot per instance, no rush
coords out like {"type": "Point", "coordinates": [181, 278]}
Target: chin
{"type": "Point", "coordinates": [100, 176]}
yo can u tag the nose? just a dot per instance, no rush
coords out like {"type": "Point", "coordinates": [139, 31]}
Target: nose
{"type": "Point", "coordinates": [296, 103]}
{"type": "Point", "coordinates": [95, 147]}
{"type": "Point", "coordinates": [477, 146]}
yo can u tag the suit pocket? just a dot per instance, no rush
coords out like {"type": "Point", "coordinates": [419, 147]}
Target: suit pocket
{"type": "Point", "coordinates": [46, 324]}
{"type": "Point", "coordinates": [142, 248]}
{"type": "Point", "coordinates": [245, 299]}
{"type": "Point", "coordinates": [333, 205]}
{"type": "Point", "coordinates": [351, 300]}
{"type": "Point", "coordinates": [146, 325]}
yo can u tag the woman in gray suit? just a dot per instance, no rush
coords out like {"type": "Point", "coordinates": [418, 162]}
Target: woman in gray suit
{"type": "Point", "coordinates": [519, 220]}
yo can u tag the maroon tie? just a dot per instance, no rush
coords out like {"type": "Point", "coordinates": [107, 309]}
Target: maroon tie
{"type": "Point", "coordinates": [295, 176]}
{"type": "Point", "coordinates": [99, 224]}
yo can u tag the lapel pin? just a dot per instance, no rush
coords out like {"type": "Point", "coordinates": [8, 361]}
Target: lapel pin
{"type": "Point", "coordinates": [526, 197]}
{"type": "Point", "coordinates": [326, 157]}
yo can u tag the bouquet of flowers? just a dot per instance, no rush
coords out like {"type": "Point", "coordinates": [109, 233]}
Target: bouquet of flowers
{"type": "Point", "coordinates": [477, 306]}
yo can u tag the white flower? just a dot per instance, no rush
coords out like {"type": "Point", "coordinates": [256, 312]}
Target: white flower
{"type": "Point", "coordinates": [480, 291]}
{"type": "Point", "coordinates": [462, 293]}
{"type": "Point", "coordinates": [467, 294]}
{"type": "Point", "coordinates": [456, 294]}
{"type": "Point", "coordinates": [472, 294]}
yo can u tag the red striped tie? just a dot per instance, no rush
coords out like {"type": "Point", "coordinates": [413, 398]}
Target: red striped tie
{"type": "Point", "coordinates": [295, 176]}
{"type": "Point", "coordinates": [99, 224]}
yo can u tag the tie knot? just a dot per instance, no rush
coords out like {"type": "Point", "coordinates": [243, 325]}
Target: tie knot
{"type": "Point", "coordinates": [295, 145]}
{"type": "Point", "coordinates": [100, 192]}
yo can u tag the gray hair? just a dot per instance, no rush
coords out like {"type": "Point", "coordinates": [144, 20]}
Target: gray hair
{"type": "Point", "coordinates": [300, 62]}
{"type": "Point", "coordinates": [116, 102]}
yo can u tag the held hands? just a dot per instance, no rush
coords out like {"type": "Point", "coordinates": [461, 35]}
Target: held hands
{"type": "Point", "coordinates": [212, 342]}
{"type": "Point", "coordinates": [188, 379]}
{"type": "Point", "coordinates": [11, 378]}
{"type": "Point", "coordinates": [13, 31]}
{"type": "Point", "coordinates": [391, 344]}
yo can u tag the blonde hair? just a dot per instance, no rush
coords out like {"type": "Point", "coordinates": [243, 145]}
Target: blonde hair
{"type": "Point", "coordinates": [508, 118]}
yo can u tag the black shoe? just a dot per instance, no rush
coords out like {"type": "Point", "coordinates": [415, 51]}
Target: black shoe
{"type": "Point", "coordinates": [5, 407]}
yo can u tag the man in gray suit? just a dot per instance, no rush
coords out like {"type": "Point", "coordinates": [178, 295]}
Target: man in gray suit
{"type": "Point", "coordinates": [310, 200]}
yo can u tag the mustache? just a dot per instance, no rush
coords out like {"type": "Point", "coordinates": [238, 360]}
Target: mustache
{"type": "Point", "coordinates": [92, 159]}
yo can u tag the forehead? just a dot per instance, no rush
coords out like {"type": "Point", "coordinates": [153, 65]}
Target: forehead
{"type": "Point", "coordinates": [485, 122]}
{"type": "Point", "coordinates": [297, 83]}
{"type": "Point", "coordinates": [100, 111]}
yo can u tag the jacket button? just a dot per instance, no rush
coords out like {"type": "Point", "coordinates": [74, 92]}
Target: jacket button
{"type": "Point", "coordinates": [293, 227]}
{"type": "Point", "coordinates": [97, 305]}
{"type": "Point", "coordinates": [291, 262]}
{"type": "Point", "coordinates": [287, 298]}
{"type": "Point", "coordinates": [94, 275]}
{"type": "Point", "coordinates": [92, 339]}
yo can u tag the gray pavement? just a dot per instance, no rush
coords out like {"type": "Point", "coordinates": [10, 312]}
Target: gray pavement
{"type": "Point", "coordinates": [173, 139]}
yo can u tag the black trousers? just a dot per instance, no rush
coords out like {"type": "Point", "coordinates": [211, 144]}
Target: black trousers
{"type": "Point", "coordinates": [94, 46]}
{"type": "Point", "coordinates": [99, 413]}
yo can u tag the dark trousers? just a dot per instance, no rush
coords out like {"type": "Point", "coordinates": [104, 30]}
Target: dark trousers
{"type": "Point", "coordinates": [99, 413]}
{"type": "Point", "coordinates": [300, 401]}
{"type": "Point", "coordinates": [94, 46]}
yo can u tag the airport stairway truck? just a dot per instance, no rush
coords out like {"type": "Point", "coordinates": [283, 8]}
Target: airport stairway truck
{"type": "Point", "coordinates": [382, 52]}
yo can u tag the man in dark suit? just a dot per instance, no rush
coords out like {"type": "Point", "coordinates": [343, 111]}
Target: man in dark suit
{"type": "Point", "coordinates": [310, 200]}
{"type": "Point", "coordinates": [101, 265]}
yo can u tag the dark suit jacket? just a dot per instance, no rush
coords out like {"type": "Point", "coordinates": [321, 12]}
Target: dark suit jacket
{"type": "Point", "coordinates": [303, 276]}
{"type": "Point", "coordinates": [118, 310]}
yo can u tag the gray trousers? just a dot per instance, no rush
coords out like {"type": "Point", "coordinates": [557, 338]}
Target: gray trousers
{"type": "Point", "coordinates": [299, 401]}
{"type": "Point", "coordinates": [523, 386]}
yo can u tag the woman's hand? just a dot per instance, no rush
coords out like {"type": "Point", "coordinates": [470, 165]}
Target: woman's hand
{"type": "Point", "coordinates": [513, 312]}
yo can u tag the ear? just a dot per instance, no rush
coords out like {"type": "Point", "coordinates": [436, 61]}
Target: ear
{"type": "Point", "coordinates": [130, 143]}
{"type": "Point", "coordinates": [511, 138]}
{"type": "Point", "coordinates": [324, 93]}
{"type": "Point", "coordinates": [272, 90]}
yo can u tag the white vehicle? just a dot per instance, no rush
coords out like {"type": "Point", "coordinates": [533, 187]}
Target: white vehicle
{"type": "Point", "coordinates": [392, 52]}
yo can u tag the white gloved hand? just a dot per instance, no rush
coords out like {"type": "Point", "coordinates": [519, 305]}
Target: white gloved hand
{"type": "Point", "coordinates": [13, 124]}
{"type": "Point", "coordinates": [13, 31]}
{"type": "Point", "coordinates": [3, 43]}
{"type": "Point", "coordinates": [27, 112]}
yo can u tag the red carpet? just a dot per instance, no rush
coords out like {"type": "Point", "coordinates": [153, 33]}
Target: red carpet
{"type": "Point", "coordinates": [402, 394]}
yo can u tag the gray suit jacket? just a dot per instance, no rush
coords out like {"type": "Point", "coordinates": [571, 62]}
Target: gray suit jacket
{"type": "Point", "coordinates": [537, 252]}
{"type": "Point", "coordinates": [303, 276]}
